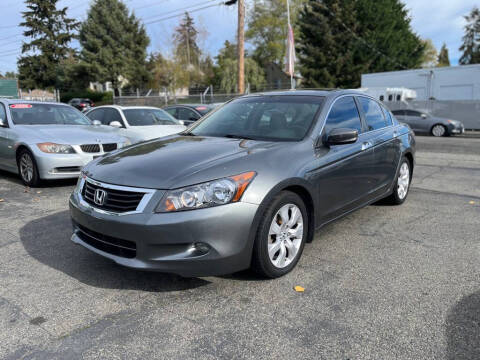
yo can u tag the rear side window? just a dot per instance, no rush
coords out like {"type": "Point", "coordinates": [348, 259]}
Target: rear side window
{"type": "Point", "coordinates": [172, 111]}
{"type": "Point", "coordinates": [373, 114]}
{"type": "Point", "coordinates": [398, 112]}
{"type": "Point", "coordinates": [412, 113]}
{"type": "Point", "coordinates": [344, 114]}
{"type": "Point", "coordinates": [187, 114]}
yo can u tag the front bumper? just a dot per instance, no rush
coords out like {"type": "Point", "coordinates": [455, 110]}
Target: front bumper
{"type": "Point", "coordinates": [456, 129]}
{"type": "Point", "coordinates": [203, 242]}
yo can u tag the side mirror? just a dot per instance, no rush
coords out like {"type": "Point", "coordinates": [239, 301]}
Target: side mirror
{"type": "Point", "coordinates": [115, 124]}
{"type": "Point", "coordinates": [96, 122]}
{"type": "Point", "coordinates": [424, 116]}
{"type": "Point", "coordinates": [342, 137]}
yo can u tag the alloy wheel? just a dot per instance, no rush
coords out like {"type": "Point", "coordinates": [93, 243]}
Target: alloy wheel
{"type": "Point", "coordinates": [403, 181]}
{"type": "Point", "coordinates": [285, 235]}
{"type": "Point", "coordinates": [438, 130]}
{"type": "Point", "coordinates": [26, 167]}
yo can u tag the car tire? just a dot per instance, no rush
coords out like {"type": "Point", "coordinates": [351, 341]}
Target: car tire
{"type": "Point", "coordinates": [27, 168]}
{"type": "Point", "coordinates": [402, 183]}
{"type": "Point", "coordinates": [439, 130]}
{"type": "Point", "coordinates": [288, 236]}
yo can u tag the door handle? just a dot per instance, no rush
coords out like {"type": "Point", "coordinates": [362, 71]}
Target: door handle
{"type": "Point", "coordinates": [366, 145]}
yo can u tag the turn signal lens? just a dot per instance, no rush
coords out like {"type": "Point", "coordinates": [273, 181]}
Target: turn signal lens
{"type": "Point", "coordinates": [212, 193]}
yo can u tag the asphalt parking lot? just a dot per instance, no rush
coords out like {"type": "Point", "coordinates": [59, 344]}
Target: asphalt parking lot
{"type": "Point", "coordinates": [382, 283]}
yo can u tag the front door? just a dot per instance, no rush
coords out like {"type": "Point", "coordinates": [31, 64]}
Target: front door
{"type": "Point", "coordinates": [7, 142]}
{"type": "Point", "coordinates": [343, 173]}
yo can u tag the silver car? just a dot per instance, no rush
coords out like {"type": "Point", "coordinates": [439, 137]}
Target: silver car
{"type": "Point", "coordinates": [423, 122]}
{"type": "Point", "coordinates": [50, 141]}
{"type": "Point", "coordinates": [138, 123]}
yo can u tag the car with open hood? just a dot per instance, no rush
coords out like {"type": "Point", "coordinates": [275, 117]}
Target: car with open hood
{"type": "Point", "coordinates": [43, 141]}
{"type": "Point", "coordinates": [245, 186]}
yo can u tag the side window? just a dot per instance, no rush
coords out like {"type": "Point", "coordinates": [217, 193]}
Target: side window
{"type": "Point", "coordinates": [399, 97]}
{"type": "Point", "coordinates": [96, 115]}
{"type": "Point", "coordinates": [412, 113]}
{"type": "Point", "coordinates": [112, 115]}
{"type": "Point", "coordinates": [373, 114]}
{"type": "Point", "coordinates": [381, 98]}
{"type": "Point", "coordinates": [344, 114]}
{"type": "Point", "coordinates": [172, 111]}
{"type": "Point", "coordinates": [390, 97]}
{"type": "Point", "coordinates": [3, 115]}
{"type": "Point", "coordinates": [388, 116]}
{"type": "Point", "coordinates": [398, 112]}
{"type": "Point", "coordinates": [187, 114]}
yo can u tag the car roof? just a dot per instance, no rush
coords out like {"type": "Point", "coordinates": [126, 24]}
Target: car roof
{"type": "Point", "coordinates": [193, 106]}
{"type": "Point", "coordinates": [119, 107]}
{"type": "Point", "coordinates": [309, 92]}
{"type": "Point", "coordinates": [18, 101]}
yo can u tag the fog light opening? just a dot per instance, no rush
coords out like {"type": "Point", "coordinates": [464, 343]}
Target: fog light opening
{"type": "Point", "coordinates": [199, 248]}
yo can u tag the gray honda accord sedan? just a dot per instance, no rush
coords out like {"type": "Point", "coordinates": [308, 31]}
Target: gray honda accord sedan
{"type": "Point", "coordinates": [246, 186]}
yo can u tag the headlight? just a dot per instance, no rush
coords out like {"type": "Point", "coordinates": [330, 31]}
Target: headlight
{"type": "Point", "coordinates": [78, 187]}
{"type": "Point", "coordinates": [212, 193]}
{"type": "Point", "coordinates": [53, 148]}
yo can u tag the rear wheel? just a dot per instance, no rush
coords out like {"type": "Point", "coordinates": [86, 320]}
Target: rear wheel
{"type": "Point", "coordinates": [27, 168]}
{"type": "Point", "coordinates": [439, 130]}
{"type": "Point", "coordinates": [281, 236]}
{"type": "Point", "coordinates": [402, 184]}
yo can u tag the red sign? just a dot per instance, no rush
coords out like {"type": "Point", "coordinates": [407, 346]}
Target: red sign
{"type": "Point", "coordinates": [20, 106]}
{"type": "Point", "coordinates": [200, 108]}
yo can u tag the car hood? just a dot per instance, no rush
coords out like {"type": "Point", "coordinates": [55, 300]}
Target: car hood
{"type": "Point", "coordinates": [142, 133]}
{"type": "Point", "coordinates": [178, 161]}
{"type": "Point", "coordinates": [70, 134]}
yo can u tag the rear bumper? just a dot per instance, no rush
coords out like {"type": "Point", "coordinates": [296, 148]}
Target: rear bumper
{"type": "Point", "coordinates": [203, 242]}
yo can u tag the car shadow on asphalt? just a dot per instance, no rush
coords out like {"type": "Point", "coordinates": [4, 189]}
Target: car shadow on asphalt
{"type": "Point", "coordinates": [47, 240]}
{"type": "Point", "coordinates": [463, 329]}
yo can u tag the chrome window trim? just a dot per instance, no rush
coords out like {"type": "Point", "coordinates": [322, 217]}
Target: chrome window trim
{"type": "Point", "coordinates": [148, 194]}
{"type": "Point", "coordinates": [330, 109]}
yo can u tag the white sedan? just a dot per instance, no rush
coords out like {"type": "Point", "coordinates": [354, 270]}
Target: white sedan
{"type": "Point", "coordinates": [136, 122]}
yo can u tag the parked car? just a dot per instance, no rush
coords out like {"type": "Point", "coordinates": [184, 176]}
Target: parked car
{"type": "Point", "coordinates": [245, 186]}
{"type": "Point", "coordinates": [136, 122]}
{"type": "Point", "coordinates": [189, 113]}
{"type": "Point", "coordinates": [421, 121]}
{"type": "Point", "coordinates": [81, 104]}
{"type": "Point", "coordinates": [41, 141]}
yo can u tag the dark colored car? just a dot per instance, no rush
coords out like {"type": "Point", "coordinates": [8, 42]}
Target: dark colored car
{"type": "Point", "coordinates": [422, 122]}
{"type": "Point", "coordinates": [81, 104]}
{"type": "Point", "coordinates": [246, 186]}
{"type": "Point", "coordinates": [188, 113]}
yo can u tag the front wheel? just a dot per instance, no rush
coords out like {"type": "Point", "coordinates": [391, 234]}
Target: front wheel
{"type": "Point", "coordinates": [439, 130]}
{"type": "Point", "coordinates": [281, 236]}
{"type": "Point", "coordinates": [27, 168]}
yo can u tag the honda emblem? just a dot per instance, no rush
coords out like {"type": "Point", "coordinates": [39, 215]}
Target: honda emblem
{"type": "Point", "coordinates": [99, 197]}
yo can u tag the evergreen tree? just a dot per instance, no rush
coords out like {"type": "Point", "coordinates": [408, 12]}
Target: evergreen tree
{"type": "Point", "coordinates": [341, 39]}
{"type": "Point", "coordinates": [187, 51]}
{"type": "Point", "coordinates": [326, 49]}
{"type": "Point", "coordinates": [267, 29]}
{"type": "Point", "coordinates": [50, 32]}
{"type": "Point", "coordinates": [114, 45]}
{"type": "Point", "coordinates": [471, 39]}
{"type": "Point", "coordinates": [443, 59]}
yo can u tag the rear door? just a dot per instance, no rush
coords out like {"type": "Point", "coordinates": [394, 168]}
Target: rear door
{"type": "Point", "coordinates": [386, 145]}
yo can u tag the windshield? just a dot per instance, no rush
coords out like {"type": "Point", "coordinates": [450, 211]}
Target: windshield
{"type": "Point", "coordinates": [46, 114]}
{"type": "Point", "coordinates": [282, 117]}
{"type": "Point", "coordinates": [146, 117]}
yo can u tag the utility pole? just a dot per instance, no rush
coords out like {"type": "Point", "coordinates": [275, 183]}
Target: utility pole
{"type": "Point", "coordinates": [241, 46]}
{"type": "Point", "coordinates": [240, 42]}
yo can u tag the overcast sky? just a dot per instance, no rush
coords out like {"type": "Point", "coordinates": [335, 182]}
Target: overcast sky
{"type": "Point", "coordinates": [440, 20]}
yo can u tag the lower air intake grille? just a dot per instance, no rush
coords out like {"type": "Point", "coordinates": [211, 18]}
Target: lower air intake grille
{"type": "Point", "coordinates": [108, 244]}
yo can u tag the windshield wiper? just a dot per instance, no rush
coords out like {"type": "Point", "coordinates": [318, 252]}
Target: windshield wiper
{"type": "Point", "coordinates": [234, 136]}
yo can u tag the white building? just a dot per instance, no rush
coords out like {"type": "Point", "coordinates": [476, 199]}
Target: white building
{"type": "Point", "coordinates": [443, 83]}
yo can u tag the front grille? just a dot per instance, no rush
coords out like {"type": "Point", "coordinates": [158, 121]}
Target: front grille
{"type": "Point", "coordinates": [108, 244]}
{"type": "Point", "coordinates": [115, 200]}
{"type": "Point", "coordinates": [90, 148]}
{"type": "Point", "coordinates": [109, 147]}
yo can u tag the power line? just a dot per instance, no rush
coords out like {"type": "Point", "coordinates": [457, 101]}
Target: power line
{"type": "Point", "coordinates": [177, 15]}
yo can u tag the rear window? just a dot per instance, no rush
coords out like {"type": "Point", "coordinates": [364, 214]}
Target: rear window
{"type": "Point", "coordinates": [204, 109]}
{"type": "Point", "coordinates": [46, 114]}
